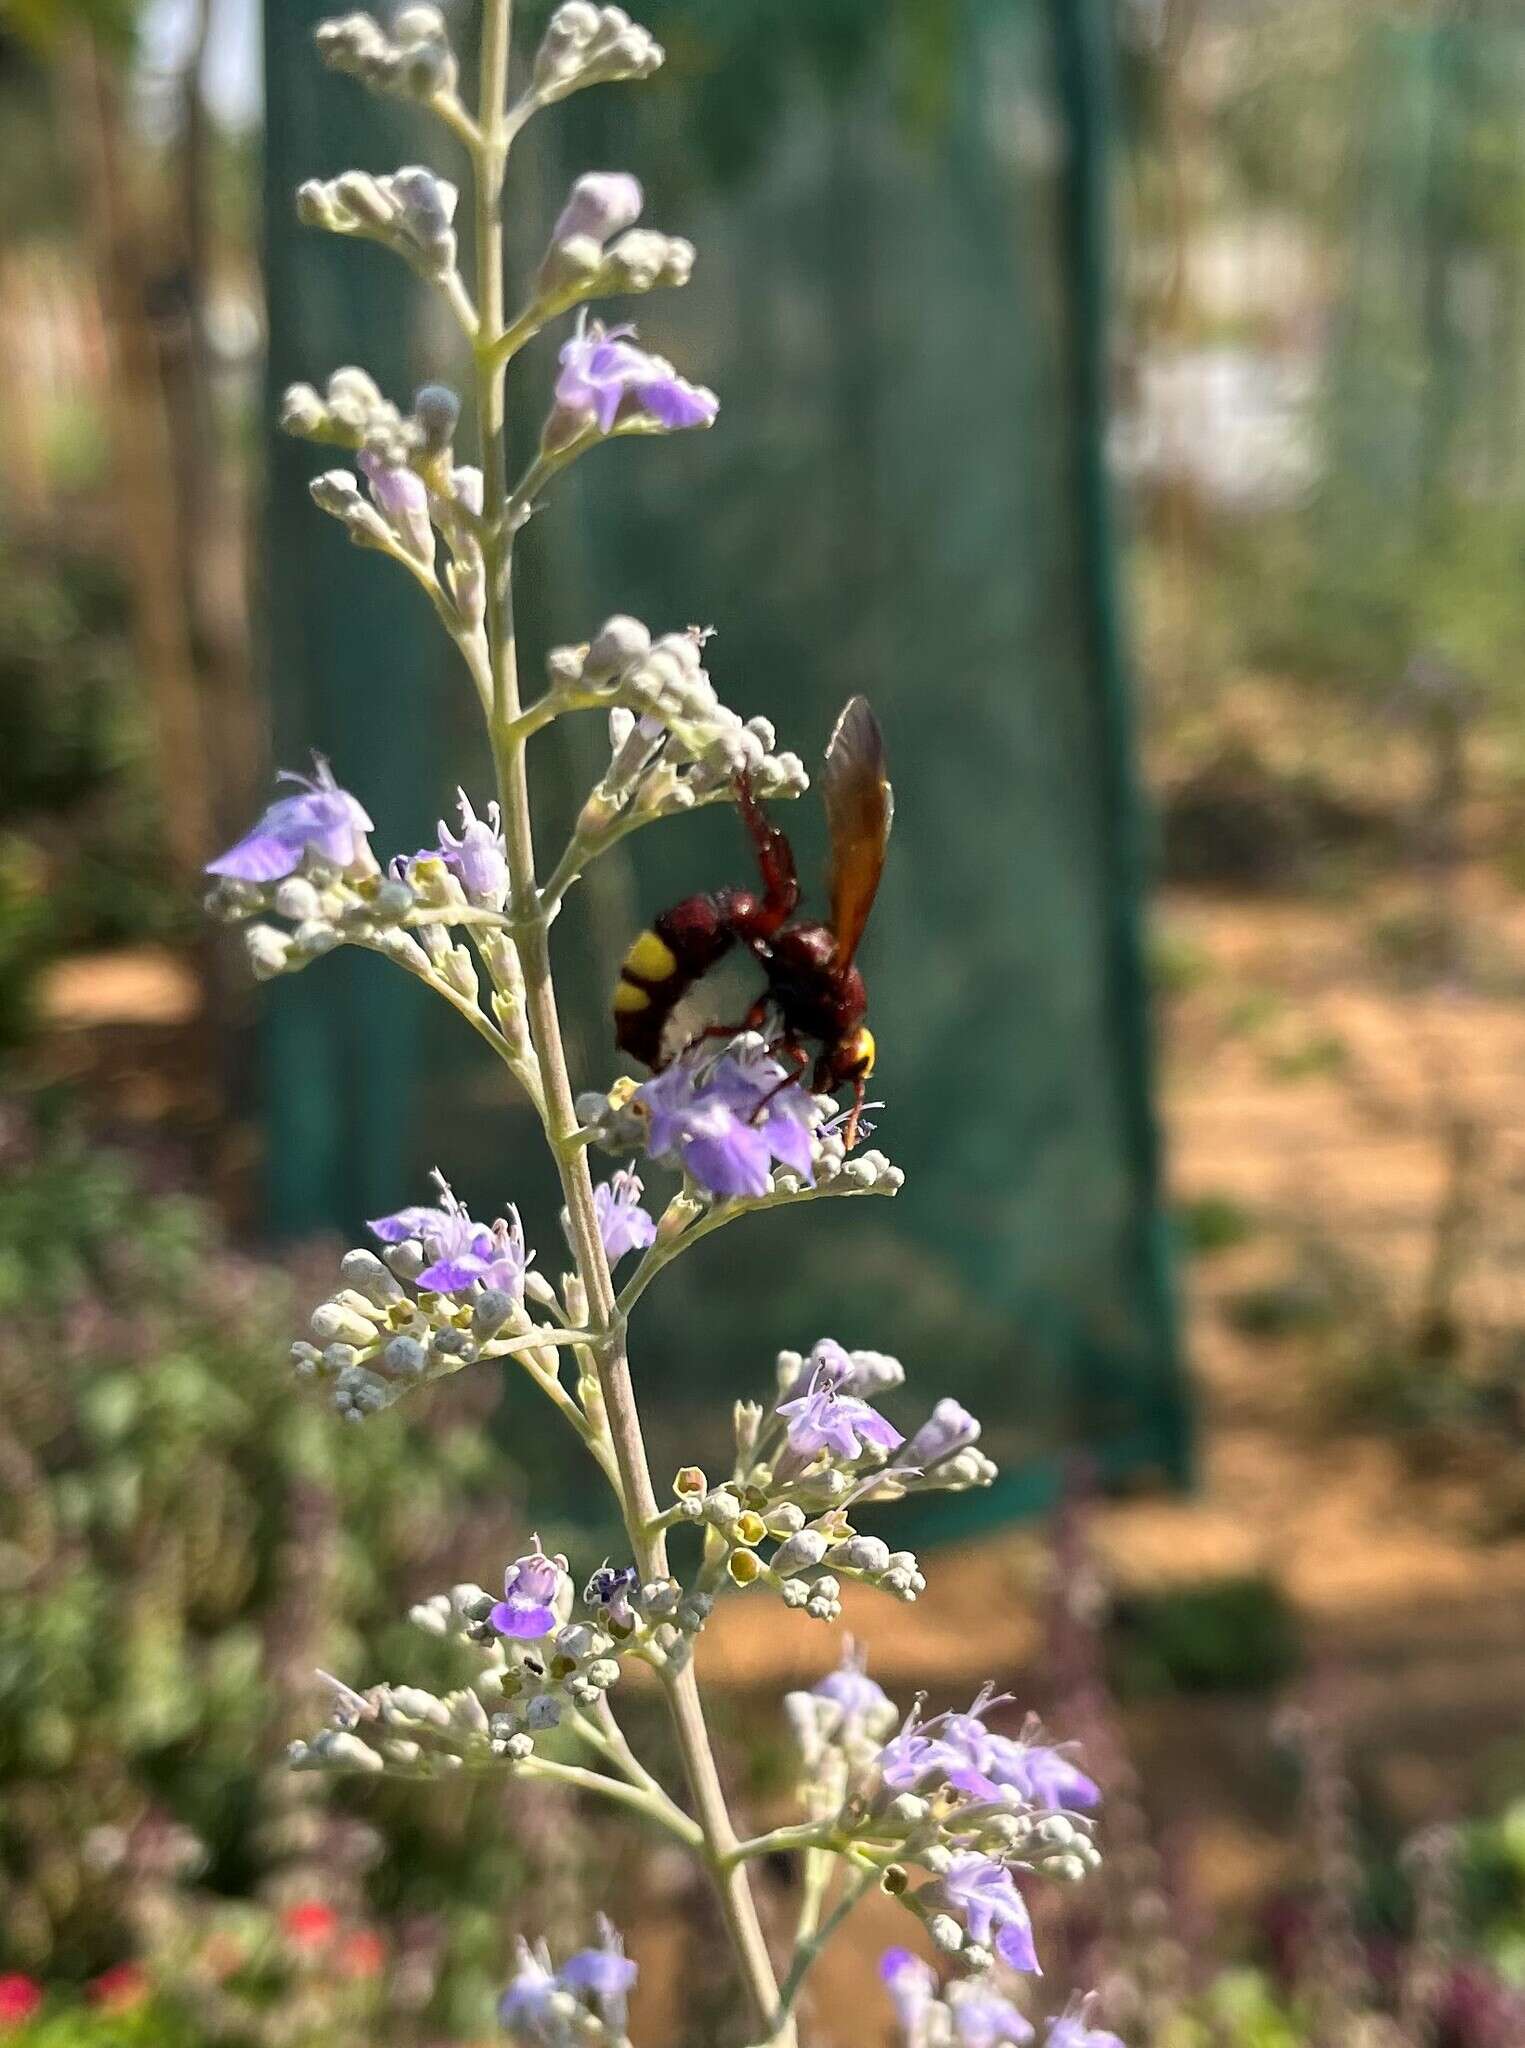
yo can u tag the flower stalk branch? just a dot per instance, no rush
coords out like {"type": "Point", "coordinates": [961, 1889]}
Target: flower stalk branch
{"type": "Point", "coordinates": [960, 1804]}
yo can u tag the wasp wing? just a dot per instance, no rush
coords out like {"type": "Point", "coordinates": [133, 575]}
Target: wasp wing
{"type": "Point", "coordinates": [859, 807]}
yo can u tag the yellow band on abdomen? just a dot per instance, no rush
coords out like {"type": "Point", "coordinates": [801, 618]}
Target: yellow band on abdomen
{"type": "Point", "coordinates": [628, 999]}
{"type": "Point", "coordinates": [651, 958]}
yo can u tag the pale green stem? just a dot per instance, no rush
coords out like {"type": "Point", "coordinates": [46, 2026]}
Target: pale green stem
{"type": "Point", "coordinates": [809, 1943]}
{"type": "Point", "coordinates": [605, 1321]}
{"type": "Point", "coordinates": [809, 1835]}
{"type": "Point", "coordinates": [661, 1255]}
{"type": "Point", "coordinates": [661, 1810]}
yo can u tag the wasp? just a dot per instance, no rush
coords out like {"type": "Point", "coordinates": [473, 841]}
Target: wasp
{"type": "Point", "coordinates": [813, 991]}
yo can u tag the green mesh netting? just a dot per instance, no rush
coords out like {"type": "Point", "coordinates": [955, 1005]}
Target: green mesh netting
{"type": "Point", "coordinates": [898, 298]}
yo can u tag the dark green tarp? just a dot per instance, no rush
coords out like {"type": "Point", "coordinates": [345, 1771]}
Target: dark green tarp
{"type": "Point", "coordinates": [899, 299]}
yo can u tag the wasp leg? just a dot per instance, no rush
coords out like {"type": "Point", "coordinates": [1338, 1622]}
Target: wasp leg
{"type": "Point", "coordinates": [785, 1048]}
{"type": "Point", "coordinates": [850, 1135]}
{"type": "Point", "coordinates": [754, 1020]}
{"type": "Point", "coordinates": [775, 861]}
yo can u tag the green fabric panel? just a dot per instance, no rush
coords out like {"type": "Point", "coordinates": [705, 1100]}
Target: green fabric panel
{"type": "Point", "coordinates": [350, 649]}
{"type": "Point", "coordinates": [899, 298]}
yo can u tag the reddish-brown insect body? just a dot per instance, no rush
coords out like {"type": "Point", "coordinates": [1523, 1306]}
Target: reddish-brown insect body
{"type": "Point", "coordinates": [814, 991]}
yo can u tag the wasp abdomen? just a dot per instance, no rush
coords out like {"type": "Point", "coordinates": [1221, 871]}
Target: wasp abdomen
{"type": "Point", "coordinates": [662, 966]}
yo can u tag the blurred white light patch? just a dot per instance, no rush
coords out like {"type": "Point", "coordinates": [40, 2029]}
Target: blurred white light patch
{"type": "Point", "coordinates": [1236, 423]}
{"type": "Point", "coordinates": [232, 74]}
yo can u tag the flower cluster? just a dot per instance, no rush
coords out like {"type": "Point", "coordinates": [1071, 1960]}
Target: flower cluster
{"type": "Point", "coordinates": [548, 1657]}
{"type": "Point", "coordinates": [672, 743]}
{"type": "Point", "coordinates": [587, 45]}
{"type": "Point", "coordinates": [414, 61]}
{"type": "Point", "coordinates": [737, 1126]}
{"type": "Point", "coordinates": [308, 860]}
{"type": "Point", "coordinates": [451, 1291]}
{"type": "Point", "coordinates": [409, 211]}
{"type": "Point", "coordinates": [802, 1467]}
{"type": "Point", "coordinates": [582, 2002]}
{"type": "Point", "coordinates": [597, 251]}
{"type": "Point", "coordinates": [975, 2012]}
{"type": "Point", "coordinates": [951, 1797]}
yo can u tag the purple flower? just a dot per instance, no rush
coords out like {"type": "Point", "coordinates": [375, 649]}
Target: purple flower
{"type": "Point", "coordinates": [1072, 2029]}
{"type": "Point", "coordinates": [911, 1757]}
{"type": "Point", "coordinates": [1042, 1774]}
{"type": "Point", "coordinates": [987, 1766]}
{"type": "Point", "coordinates": [982, 2018]}
{"type": "Point", "coordinates": [527, 2001]}
{"type": "Point", "coordinates": [983, 1894]}
{"type": "Point", "coordinates": [850, 1372]}
{"type": "Point", "coordinates": [601, 204]}
{"type": "Point", "coordinates": [911, 1984]}
{"type": "Point", "coordinates": [949, 1428]}
{"type": "Point", "coordinates": [757, 1087]}
{"type": "Point", "coordinates": [610, 1588]}
{"type": "Point", "coordinates": [476, 855]}
{"type": "Point", "coordinates": [402, 499]}
{"type": "Point", "coordinates": [623, 1224]}
{"type": "Point", "coordinates": [718, 1123]}
{"type": "Point", "coordinates": [840, 1424]}
{"type": "Point", "coordinates": [323, 819]}
{"type": "Point", "coordinates": [603, 1975]}
{"type": "Point", "coordinates": [604, 374]}
{"type": "Point", "coordinates": [461, 1251]}
{"type": "Point", "coordinates": [850, 1687]}
{"type": "Point", "coordinates": [532, 1588]}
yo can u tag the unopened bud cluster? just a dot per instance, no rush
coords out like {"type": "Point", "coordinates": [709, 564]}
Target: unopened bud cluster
{"type": "Point", "coordinates": [414, 489]}
{"type": "Point", "coordinates": [413, 61]}
{"type": "Point", "coordinates": [409, 211]}
{"type": "Point", "coordinates": [672, 743]}
{"type": "Point", "coordinates": [324, 907]}
{"type": "Point", "coordinates": [588, 45]}
{"type": "Point", "coordinates": [379, 1335]}
{"type": "Point", "coordinates": [597, 251]}
{"type": "Point", "coordinates": [399, 1728]}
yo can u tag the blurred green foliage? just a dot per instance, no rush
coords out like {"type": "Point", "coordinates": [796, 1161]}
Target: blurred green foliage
{"type": "Point", "coordinates": [1229, 1635]}
{"type": "Point", "coordinates": [182, 1539]}
{"type": "Point", "coordinates": [81, 858]}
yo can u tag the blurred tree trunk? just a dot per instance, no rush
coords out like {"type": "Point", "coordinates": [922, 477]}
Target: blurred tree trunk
{"type": "Point", "coordinates": [147, 516]}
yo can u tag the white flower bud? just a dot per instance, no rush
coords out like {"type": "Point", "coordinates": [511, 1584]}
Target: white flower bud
{"type": "Point", "coordinates": [269, 951]}
{"type": "Point", "coordinates": [332, 1324]}
{"type": "Point", "coordinates": [601, 204]}
{"type": "Point", "coordinates": [946, 1933]}
{"type": "Point", "coordinates": [368, 1276]}
{"type": "Point", "coordinates": [619, 642]}
{"type": "Point", "coordinates": [799, 1553]}
{"type": "Point", "coordinates": [336, 1747]}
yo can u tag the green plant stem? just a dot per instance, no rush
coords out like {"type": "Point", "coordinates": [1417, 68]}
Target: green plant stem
{"type": "Point", "coordinates": [655, 1807]}
{"type": "Point", "coordinates": [806, 1835]}
{"type": "Point", "coordinates": [811, 1938]}
{"type": "Point", "coordinates": [663, 1254]}
{"type": "Point", "coordinates": [606, 1323]}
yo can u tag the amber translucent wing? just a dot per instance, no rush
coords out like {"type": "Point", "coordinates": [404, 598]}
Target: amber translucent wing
{"type": "Point", "coordinates": [859, 807]}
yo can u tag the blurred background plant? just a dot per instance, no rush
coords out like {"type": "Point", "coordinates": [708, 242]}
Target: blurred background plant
{"type": "Point", "coordinates": [175, 1566]}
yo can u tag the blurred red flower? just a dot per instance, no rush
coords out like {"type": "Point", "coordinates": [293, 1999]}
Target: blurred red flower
{"type": "Point", "coordinates": [363, 1954]}
{"type": "Point", "coordinates": [119, 1988]}
{"type": "Point", "coordinates": [19, 1999]}
{"type": "Point", "coordinates": [310, 1924]}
